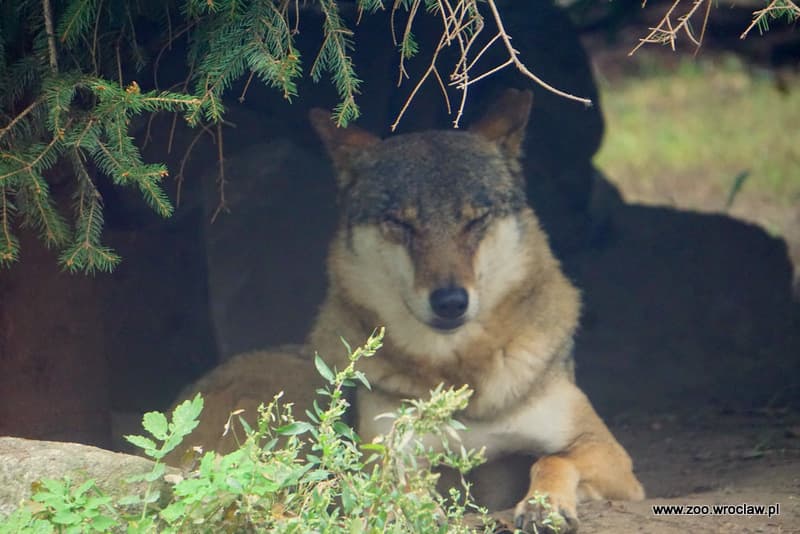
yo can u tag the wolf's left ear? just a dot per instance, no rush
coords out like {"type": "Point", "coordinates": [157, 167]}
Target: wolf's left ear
{"type": "Point", "coordinates": [506, 120]}
{"type": "Point", "coordinates": [341, 143]}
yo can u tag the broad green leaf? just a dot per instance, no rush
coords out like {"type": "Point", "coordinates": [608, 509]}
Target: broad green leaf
{"type": "Point", "coordinates": [186, 414]}
{"type": "Point", "coordinates": [156, 473]}
{"type": "Point", "coordinates": [323, 369]}
{"type": "Point", "coordinates": [66, 517]}
{"type": "Point", "coordinates": [102, 523]}
{"type": "Point", "coordinates": [156, 424]}
{"type": "Point", "coordinates": [293, 429]}
{"type": "Point", "coordinates": [141, 442]}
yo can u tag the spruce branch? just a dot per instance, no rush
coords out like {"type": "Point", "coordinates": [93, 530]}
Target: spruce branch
{"type": "Point", "coordinates": [333, 56]}
{"type": "Point", "coordinates": [86, 253]}
{"type": "Point", "coordinates": [42, 157]}
{"type": "Point", "coordinates": [21, 115]}
{"type": "Point", "coordinates": [42, 215]}
{"type": "Point", "coordinates": [82, 109]}
{"type": "Point", "coordinates": [9, 245]}
{"type": "Point", "coordinates": [18, 79]}
{"type": "Point", "coordinates": [774, 10]}
{"type": "Point", "coordinates": [76, 20]}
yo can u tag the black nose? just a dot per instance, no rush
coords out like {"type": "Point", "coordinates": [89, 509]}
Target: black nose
{"type": "Point", "coordinates": [449, 302]}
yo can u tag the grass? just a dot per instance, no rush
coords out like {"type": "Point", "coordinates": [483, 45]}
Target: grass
{"type": "Point", "coordinates": [716, 123]}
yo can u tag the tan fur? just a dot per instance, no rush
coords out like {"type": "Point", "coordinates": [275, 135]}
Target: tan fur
{"type": "Point", "coordinates": [514, 347]}
{"type": "Point", "coordinates": [243, 383]}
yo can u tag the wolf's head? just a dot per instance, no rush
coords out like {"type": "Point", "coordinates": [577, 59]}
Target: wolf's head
{"type": "Point", "coordinates": [434, 229]}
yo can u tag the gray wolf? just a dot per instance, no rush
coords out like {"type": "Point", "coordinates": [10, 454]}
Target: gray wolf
{"type": "Point", "coordinates": [437, 243]}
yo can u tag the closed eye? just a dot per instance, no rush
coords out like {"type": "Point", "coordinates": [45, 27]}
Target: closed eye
{"type": "Point", "coordinates": [398, 228]}
{"type": "Point", "coordinates": [478, 223]}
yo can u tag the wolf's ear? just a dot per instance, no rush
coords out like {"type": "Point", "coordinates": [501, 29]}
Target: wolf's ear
{"type": "Point", "coordinates": [506, 120]}
{"type": "Point", "coordinates": [341, 143]}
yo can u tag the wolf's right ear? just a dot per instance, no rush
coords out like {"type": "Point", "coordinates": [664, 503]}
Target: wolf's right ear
{"type": "Point", "coordinates": [506, 120]}
{"type": "Point", "coordinates": [341, 143]}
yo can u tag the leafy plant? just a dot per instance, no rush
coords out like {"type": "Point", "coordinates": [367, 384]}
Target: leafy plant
{"type": "Point", "coordinates": [288, 475]}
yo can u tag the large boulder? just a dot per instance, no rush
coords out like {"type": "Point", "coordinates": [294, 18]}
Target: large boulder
{"type": "Point", "coordinates": [24, 462]}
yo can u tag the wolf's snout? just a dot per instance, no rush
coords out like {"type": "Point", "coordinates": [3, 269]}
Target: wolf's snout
{"type": "Point", "coordinates": [449, 302]}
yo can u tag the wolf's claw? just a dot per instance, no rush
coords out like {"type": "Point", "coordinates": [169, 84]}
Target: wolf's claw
{"type": "Point", "coordinates": [537, 519]}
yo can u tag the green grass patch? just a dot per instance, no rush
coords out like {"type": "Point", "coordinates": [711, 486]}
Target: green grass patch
{"type": "Point", "coordinates": [714, 121]}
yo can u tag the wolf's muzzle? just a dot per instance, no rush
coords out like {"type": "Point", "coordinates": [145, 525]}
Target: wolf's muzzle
{"type": "Point", "coordinates": [449, 304]}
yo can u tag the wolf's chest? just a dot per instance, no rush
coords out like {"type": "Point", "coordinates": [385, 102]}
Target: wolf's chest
{"type": "Point", "coordinates": [500, 378]}
{"type": "Point", "coordinates": [539, 423]}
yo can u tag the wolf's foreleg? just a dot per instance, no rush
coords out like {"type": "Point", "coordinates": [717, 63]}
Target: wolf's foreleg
{"type": "Point", "coordinates": [594, 466]}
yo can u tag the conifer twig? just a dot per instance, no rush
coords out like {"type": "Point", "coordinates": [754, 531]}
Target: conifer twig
{"type": "Point", "coordinates": [51, 36]}
{"type": "Point", "coordinates": [7, 128]}
{"type": "Point", "coordinates": [775, 6]}
{"type": "Point", "coordinates": [29, 165]}
{"type": "Point", "coordinates": [10, 249]}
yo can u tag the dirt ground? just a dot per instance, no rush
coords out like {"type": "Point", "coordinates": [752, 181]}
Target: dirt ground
{"type": "Point", "coordinates": [708, 459]}
{"type": "Point", "coordinates": [703, 460]}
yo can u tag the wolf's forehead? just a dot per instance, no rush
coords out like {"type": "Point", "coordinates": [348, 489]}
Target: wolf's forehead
{"type": "Point", "coordinates": [434, 171]}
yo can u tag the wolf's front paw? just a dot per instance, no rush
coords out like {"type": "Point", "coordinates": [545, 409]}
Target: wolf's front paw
{"type": "Point", "coordinates": [541, 514]}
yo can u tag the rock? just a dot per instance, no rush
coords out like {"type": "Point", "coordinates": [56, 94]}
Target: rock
{"type": "Point", "coordinates": [23, 462]}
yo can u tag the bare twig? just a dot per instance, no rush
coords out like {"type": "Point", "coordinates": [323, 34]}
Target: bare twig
{"type": "Point", "coordinates": [51, 36]}
{"type": "Point", "coordinates": [667, 31]}
{"type": "Point", "coordinates": [119, 60]}
{"type": "Point", "coordinates": [168, 46]}
{"type": "Point", "coordinates": [171, 137]}
{"type": "Point", "coordinates": [180, 177]}
{"type": "Point", "coordinates": [430, 70]}
{"type": "Point", "coordinates": [668, 28]}
{"type": "Point", "coordinates": [412, 13]}
{"type": "Point", "coordinates": [703, 28]}
{"type": "Point", "coordinates": [222, 205]}
{"type": "Point", "coordinates": [462, 25]}
{"type": "Point", "coordinates": [95, 62]}
{"type": "Point", "coordinates": [521, 67]}
{"type": "Point", "coordinates": [246, 86]}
